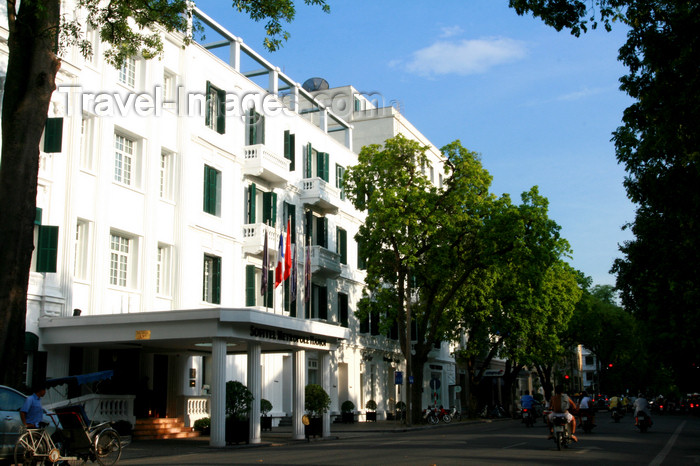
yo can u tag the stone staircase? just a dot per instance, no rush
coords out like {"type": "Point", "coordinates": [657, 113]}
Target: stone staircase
{"type": "Point", "coordinates": [161, 428]}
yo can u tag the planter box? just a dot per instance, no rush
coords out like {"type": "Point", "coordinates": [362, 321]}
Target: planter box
{"type": "Point", "coordinates": [371, 416]}
{"type": "Point", "coordinates": [237, 431]}
{"type": "Point", "coordinates": [266, 423]}
{"type": "Point", "coordinates": [315, 427]}
{"type": "Point", "coordinates": [348, 418]}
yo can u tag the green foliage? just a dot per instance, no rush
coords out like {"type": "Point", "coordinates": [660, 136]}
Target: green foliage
{"type": "Point", "coordinates": [265, 406]}
{"type": "Point", "coordinates": [239, 400]}
{"type": "Point", "coordinates": [400, 406]}
{"type": "Point", "coordinates": [316, 400]}
{"type": "Point", "coordinates": [347, 406]}
{"type": "Point", "coordinates": [202, 424]}
{"type": "Point", "coordinates": [371, 405]}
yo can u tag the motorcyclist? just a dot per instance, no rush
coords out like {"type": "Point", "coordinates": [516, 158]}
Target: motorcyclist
{"type": "Point", "coordinates": [641, 405]}
{"type": "Point", "coordinates": [526, 402]}
{"type": "Point", "coordinates": [616, 405]}
{"type": "Point", "coordinates": [586, 407]}
{"type": "Point", "coordinates": [560, 403]}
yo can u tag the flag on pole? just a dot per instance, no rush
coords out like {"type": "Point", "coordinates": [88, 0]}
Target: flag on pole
{"type": "Point", "coordinates": [288, 252]}
{"type": "Point", "coordinates": [293, 281]}
{"type": "Point", "coordinates": [265, 266]}
{"type": "Point", "coordinates": [279, 270]}
{"type": "Point", "coordinates": [307, 273]}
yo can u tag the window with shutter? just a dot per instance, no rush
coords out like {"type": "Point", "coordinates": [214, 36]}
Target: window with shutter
{"type": "Point", "coordinates": [53, 135]}
{"type": "Point", "coordinates": [342, 245]}
{"type": "Point", "coordinates": [215, 112]}
{"type": "Point", "coordinates": [343, 309]}
{"type": "Point", "coordinates": [339, 180]}
{"type": "Point", "coordinates": [251, 203]}
{"type": "Point", "coordinates": [211, 282]}
{"type": "Point", "coordinates": [308, 157]}
{"type": "Point", "coordinates": [250, 288]}
{"type": "Point", "coordinates": [47, 250]}
{"type": "Point", "coordinates": [289, 150]}
{"type": "Point", "coordinates": [270, 208]}
{"type": "Point", "coordinates": [255, 127]}
{"type": "Point", "coordinates": [212, 190]}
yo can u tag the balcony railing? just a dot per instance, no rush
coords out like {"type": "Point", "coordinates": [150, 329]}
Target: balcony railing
{"type": "Point", "coordinates": [324, 263]}
{"type": "Point", "coordinates": [319, 194]}
{"type": "Point", "coordinates": [254, 238]}
{"type": "Point", "coordinates": [261, 162]}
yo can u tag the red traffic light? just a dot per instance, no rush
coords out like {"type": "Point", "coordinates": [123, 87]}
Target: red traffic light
{"type": "Point", "coordinates": [610, 365]}
{"type": "Point", "coordinates": [566, 376]}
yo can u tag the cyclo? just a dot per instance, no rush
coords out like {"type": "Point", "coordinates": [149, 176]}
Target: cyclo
{"type": "Point", "coordinates": [75, 441]}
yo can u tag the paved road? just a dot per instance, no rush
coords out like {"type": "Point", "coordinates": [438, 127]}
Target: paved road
{"type": "Point", "coordinates": [671, 441]}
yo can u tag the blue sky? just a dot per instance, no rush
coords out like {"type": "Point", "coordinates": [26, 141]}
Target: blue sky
{"type": "Point", "coordinates": [538, 105]}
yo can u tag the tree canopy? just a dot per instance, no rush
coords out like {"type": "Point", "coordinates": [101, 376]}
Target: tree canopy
{"type": "Point", "coordinates": [658, 144]}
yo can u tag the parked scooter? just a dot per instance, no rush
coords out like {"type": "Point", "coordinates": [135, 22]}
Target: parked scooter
{"type": "Point", "coordinates": [455, 414]}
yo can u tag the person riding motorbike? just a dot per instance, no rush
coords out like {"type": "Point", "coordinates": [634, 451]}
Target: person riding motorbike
{"type": "Point", "coordinates": [641, 405]}
{"type": "Point", "coordinates": [616, 407]}
{"type": "Point", "coordinates": [560, 403]}
{"type": "Point", "coordinates": [585, 407]}
{"type": "Point", "coordinates": [527, 402]}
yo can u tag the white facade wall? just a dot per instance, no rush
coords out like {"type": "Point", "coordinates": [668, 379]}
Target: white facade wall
{"type": "Point", "coordinates": [78, 193]}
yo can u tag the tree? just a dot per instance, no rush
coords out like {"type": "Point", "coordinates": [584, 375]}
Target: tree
{"type": "Point", "coordinates": [658, 145]}
{"type": "Point", "coordinates": [35, 29]}
{"type": "Point", "coordinates": [437, 248]}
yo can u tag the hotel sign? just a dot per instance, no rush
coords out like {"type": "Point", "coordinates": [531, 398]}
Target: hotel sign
{"type": "Point", "coordinates": [143, 334]}
{"type": "Point", "coordinates": [281, 335]}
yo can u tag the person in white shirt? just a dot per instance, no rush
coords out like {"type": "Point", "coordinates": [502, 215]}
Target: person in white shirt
{"type": "Point", "coordinates": [641, 405]}
{"type": "Point", "coordinates": [586, 406]}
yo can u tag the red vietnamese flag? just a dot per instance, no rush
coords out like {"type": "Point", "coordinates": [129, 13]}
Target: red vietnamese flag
{"type": "Point", "coordinates": [288, 253]}
{"type": "Point", "coordinates": [279, 270]}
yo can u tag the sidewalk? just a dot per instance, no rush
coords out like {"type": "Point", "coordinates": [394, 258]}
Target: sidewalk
{"type": "Point", "coordinates": [278, 436]}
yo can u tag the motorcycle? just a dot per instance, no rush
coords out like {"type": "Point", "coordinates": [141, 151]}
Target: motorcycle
{"type": "Point", "coordinates": [617, 414]}
{"type": "Point", "coordinates": [455, 414]}
{"type": "Point", "coordinates": [643, 421]}
{"type": "Point", "coordinates": [586, 421]}
{"type": "Point", "coordinates": [528, 417]}
{"type": "Point", "coordinates": [562, 436]}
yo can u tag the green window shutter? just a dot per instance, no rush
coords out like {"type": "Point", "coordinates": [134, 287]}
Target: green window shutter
{"type": "Point", "coordinates": [207, 110]}
{"type": "Point", "coordinates": [342, 245]}
{"type": "Point", "coordinates": [270, 287]}
{"type": "Point", "coordinates": [268, 217]}
{"type": "Point", "coordinates": [326, 167]}
{"type": "Point", "coordinates": [323, 302]}
{"type": "Point", "coordinates": [307, 161]}
{"type": "Point", "coordinates": [211, 189]}
{"type": "Point", "coordinates": [289, 149]}
{"type": "Point", "coordinates": [249, 127]}
{"type": "Point", "coordinates": [53, 135]}
{"type": "Point", "coordinates": [221, 113]}
{"type": "Point", "coordinates": [324, 233]}
{"type": "Point", "coordinates": [274, 207]}
{"type": "Point", "coordinates": [251, 203]}
{"type": "Point", "coordinates": [357, 104]}
{"type": "Point", "coordinates": [290, 213]}
{"type": "Point", "coordinates": [216, 289]}
{"type": "Point", "coordinates": [250, 287]}
{"type": "Point", "coordinates": [361, 260]}
{"type": "Point", "coordinates": [320, 231]}
{"type": "Point", "coordinates": [343, 309]}
{"type": "Point", "coordinates": [319, 164]}
{"type": "Point", "coordinates": [261, 128]}
{"type": "Point", "coordinates": [47, 251]}
{"type": "Point", "coordinates": [292, 152]}
{"type": "Point", "coordinates": [37, 216]}
{"type": "Point", "coordinates": [309, 230]}
{"type": "Point", "coordinates": [339, 180]}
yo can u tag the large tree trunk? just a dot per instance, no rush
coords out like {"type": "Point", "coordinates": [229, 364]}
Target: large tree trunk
{"type": "Point", "coordinates": [30, 81]}
{"type": "Point", "coordinates": [512, 371]}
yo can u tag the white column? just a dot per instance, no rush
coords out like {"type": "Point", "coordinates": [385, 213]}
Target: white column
{"type": "Point", "coordinates": [326, 384]}
{"type": "Point", "coordinates": [295, 99]}
{"type": "Point", "coordinates": [273, 84]}
{"type": "Point", "coordinates": [235, 55]}
{"type": "Point", "coordinates": [323, 124]}
{"type": "Point", "coordinates": [299, 387]}
{"type": "Point", "coordinates": [218, 393]}
{"type": "Point", "coordinates": [255, 386]}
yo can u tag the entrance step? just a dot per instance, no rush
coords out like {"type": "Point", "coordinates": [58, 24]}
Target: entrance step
{"type": "Point", "coordinates": [285, 421]}
{"type": "Point", "coordinates": [162, 428]}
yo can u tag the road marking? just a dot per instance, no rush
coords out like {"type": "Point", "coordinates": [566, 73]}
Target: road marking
{"type": "Point", "coordinates": [662, 455]}
{"type": "Point", "coordinates": [516, 445]}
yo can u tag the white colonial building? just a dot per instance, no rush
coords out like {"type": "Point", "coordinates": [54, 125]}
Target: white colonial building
{"type": "Point", "coordinates": [159, 185]}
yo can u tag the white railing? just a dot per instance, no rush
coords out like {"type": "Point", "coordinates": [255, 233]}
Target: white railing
{"type": "Point", "coordinates": [196, 407]}
{"type": "Point", "coordinates": [253, 237]}
{"type": "Point", "coordinates": [101, 408]}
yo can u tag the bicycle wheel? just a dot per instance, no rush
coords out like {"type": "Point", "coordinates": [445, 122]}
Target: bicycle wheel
{"type": "Point", "coordinates": [446, 418]}
{"type": "Point", "coordinates": [433, 419]}
{"type": "Point", "coordinates": [108, 447]}
{"type": "Point", "coordinates": [31, 448]}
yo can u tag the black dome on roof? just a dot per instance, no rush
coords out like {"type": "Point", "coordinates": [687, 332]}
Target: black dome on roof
{"type": "Point", "coordinates": [315, 84]}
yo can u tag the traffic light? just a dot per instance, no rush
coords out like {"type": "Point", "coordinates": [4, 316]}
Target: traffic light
{"type": "Point", "coordinates": [566, 377]}
{"type": "Point", "coordinates": [610, 366]}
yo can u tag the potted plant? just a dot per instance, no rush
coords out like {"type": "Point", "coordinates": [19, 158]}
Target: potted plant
{"type": "Point", "coordinates": [316, 403]}
{"type": "Point", "coordinates": [371, 414]}
{"type": "Point", "coordinates": [347, 412]}
{"type": "Point", "coordinates": [239, 402]}
{"type": "Point", "coordinates": [391, 407]}
{"type": "Point", "coordinates": [203, 426]}
{"type": "Point", "coordinates": [265, 420]}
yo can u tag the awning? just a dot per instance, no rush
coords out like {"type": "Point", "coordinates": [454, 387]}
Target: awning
{"type": "Point", "coordinates": [80, 379]}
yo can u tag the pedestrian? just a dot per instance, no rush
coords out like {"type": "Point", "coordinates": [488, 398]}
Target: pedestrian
{"type": "Point", "coordinates": [32, 412]}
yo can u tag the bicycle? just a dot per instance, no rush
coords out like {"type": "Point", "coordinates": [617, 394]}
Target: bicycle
{"type": "Point", "coordinates": [74, 442]}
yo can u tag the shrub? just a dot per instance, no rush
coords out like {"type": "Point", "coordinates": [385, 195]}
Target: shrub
{"type": "Point", "coordinates": [203, 424]}
{"type": "Point", "coordinates": [316, 400]}
{"type": "Point", "coordinates": [239, 400]}
{"type": "Point", "coordinates": [400, 406]}
{"type": "Point", "coordinates": [347, 407]}
{"type": "Point", "coordinates": [265, 407]}
{"type": "Point", "coordinates": [371, 405]}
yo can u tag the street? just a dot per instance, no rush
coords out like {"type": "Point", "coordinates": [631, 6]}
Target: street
{"type": "Point", "coordinates": [673, 440]}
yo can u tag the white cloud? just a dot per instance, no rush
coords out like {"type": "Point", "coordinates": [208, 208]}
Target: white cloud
{"type": "Point", "coordinates": [451, 31]}
{"type": "Point", "coordinates": [581, 94]}
{"type": "Point", "coordinates": [465, 57]}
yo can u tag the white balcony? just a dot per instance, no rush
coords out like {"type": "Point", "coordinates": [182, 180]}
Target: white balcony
{"type": "Point", "coordinates": [324, 263]}
{"type": "Point", "coordinates": [254, 238]}
{"type": "Point", "coordinates": [323, 197]}
{"type": "Point", "coordinates": [261, 162]}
